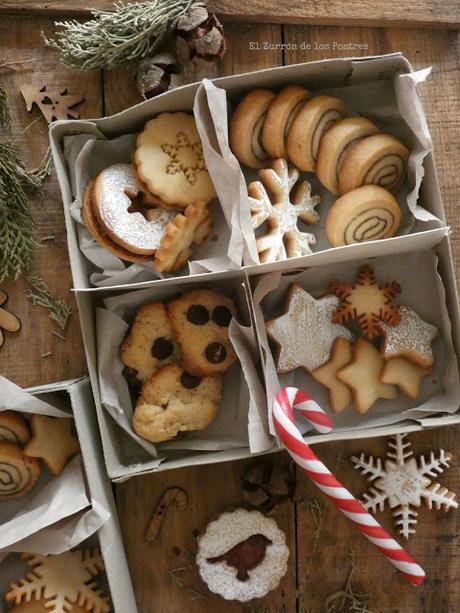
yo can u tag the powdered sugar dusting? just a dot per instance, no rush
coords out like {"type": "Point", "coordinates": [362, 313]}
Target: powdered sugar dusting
{"type": "Point", "coordinates": [227, 531]}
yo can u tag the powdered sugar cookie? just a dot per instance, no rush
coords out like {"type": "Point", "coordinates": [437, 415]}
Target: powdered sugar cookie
{"type": "Point", "coordinates": [169, 160]}
{"type": "Point", "coordinates": [242, 555]}
{"type": "Point", "coordinates": [13, 428]}
{"type": "Point", "coordinates": [305, 333]}
{"type": "Point", "coordinates": [339, 393]}
{"type": "Point", "coordinates": [405, 375]}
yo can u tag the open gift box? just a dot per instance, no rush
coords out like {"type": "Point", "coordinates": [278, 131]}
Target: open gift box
{"type": "Point", "coordinates": [76, 512]}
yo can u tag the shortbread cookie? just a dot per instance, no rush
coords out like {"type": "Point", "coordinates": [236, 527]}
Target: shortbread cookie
{"type": "Point", "coordinates": [52, 442]}
{"type": "Point", "coordinates": [200, 320]}
{"type": "Point", "coordinates": [18, 473]}
{"type": "Point", "coordinates": [280, 115]}
{"type": "Point", "coordinates": [367, 302]}
{"type": "Point", "coordinates": [362, 376]}
{"type": "Point", "coordinates": [150, 342]}
{"type": "Point", "coordinates": [405, 375]}
{"type": "Point", "coordinates": [367, 213]}
{"type": "Point", "coordinates": [169, 160]}
{"type": "Point", "coordinates": [13, 428]}
{"type": "Point", "coordinates": [336, 144]}
{"type": "Point", "coordinates": [310, 124]}
{"type": "Point", "coordinates": [279, 201]}
{"type": "Point", "coordinates": [339, 393]}
{"type": "Point", "coordinates": [245, 129]}
{"type": "Point", "coordinates": [42, 606]}
{"type": "Point", "coordinates": [174, 401]}
{"type": "Point", "coordinates": [380, 159]}
{"type": "Point", "coordinates": [409, 338]}
{"type": "Point", "coordinates": [242, 555]}
{"type": "Point", "coordinates": [180, 234]}
{"type": "Point", "coordinates": [304, 334]}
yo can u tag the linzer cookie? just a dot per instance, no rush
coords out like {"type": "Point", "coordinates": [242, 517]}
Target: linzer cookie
{"type": "Point", "coordinates": [18, 472]}
{"type": "Point", "coordinates": [242, 555]}
{"type": "Point", "coordinates": [169, 160]}
{"type": "Point", "coordinates": [200, 320]}
{"type": "Point", "coordinates": [304, 334]}
{"type": "Point", "coordinates": [13, 428]}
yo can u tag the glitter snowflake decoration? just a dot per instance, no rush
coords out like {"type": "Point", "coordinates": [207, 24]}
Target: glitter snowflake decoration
{"type": "Point", "coordinates": [63, 580]}
{"type": "Point", "coordinates": [185, 157]}
{"type": "Point", "coordinates": [402, 482]}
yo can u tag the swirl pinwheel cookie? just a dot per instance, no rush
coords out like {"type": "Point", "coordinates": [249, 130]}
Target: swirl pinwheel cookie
{"type": "Point", "coordinates": [279, 201]}
{"type": "Point", "coordinates": [380, 159]}
{"type": "Point", "coordinates": [19, 473]}
{"type": "Point", "coordinates": [13, 428]}
{"type": "Point", "coordinates": [366, 213]}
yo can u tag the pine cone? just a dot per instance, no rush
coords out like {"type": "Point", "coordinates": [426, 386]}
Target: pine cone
{"type": "Point", "coordinates": [199, 35]}
{"type": "Point", "coordinates": [157, 74]}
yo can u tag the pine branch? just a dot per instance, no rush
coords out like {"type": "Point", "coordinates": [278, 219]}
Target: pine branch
{"type": "Point", "coordinates": [59, 310]}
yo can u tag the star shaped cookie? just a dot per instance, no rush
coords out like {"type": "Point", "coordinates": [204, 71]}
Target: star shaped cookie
{"type": "Point", "coordinates": [362, 375]}
{"type": "Point", "coordinates": [185, 157]}
{"type": "Point", "coordinates": [52, 441]}
{"type": "Point", "coordinates": [305, 333]}
{"type": "Point", "coordinates": [405, 375]}
{"type": "Point", "coordinates": [339, 393]}
{"type": "Point", "coordinates": [411, 338]}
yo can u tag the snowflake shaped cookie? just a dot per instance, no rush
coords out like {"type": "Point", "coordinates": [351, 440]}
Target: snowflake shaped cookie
{"type": "Point", "coordinates": [63, 580]}
{"type": "Point", "coordinates": [185, 157]}
{"type": "Point", "coordinates": [403, 482]}
{"type": "Point", "coordinates": [367, 302]}
{"type": "Point", "coordinates": [271, 202]}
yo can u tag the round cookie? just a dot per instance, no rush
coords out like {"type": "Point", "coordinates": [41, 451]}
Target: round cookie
{"type": "Point", "coordinates": [200, 320]}
{"type": "Point", "coordinates": [149, 343]}
{"type": "Point", "coordinates": [169, 160]}
{"type": "Point", "coordinates": [18, 473]}
{"type": "Point", "coordinates": [246, 124]}
{"type": "Point", "coordinates": [366, 213]}
{"type": "Point", "coordinates": [380, 159]}
{"type": "Point", "coordinates": [174, 401]}
{"type": "Point", "coordinates": [242, 555]}
{"type": "Point", "coordinates": [312, 121]}
{"type": "Point", "coordinates": [13, 428]}
{"type": "Point", "coordinates": [335, 145]}
{"type": "Point", "coordinates": [280, 115]}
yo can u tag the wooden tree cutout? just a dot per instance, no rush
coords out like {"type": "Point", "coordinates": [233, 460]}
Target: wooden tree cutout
{"type": "Point", "coordinates": [54, 103]}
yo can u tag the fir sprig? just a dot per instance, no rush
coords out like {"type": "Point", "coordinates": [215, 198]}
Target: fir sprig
{"type": "Point", "coordinates": [58, 310]}
{"type": "Point", "coordinates": [110, 38]}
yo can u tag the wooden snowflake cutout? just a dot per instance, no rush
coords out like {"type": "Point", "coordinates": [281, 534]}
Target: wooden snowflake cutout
{"type": "Point", "coordinates": [279, 201]}
{"type": "Point", "coordinates": [367, 302]}
{"type": "Point", "coordinates": [63, 580]}
{"type": "Point", "coordinates": [54, 103]}
{"type": "Point", "coordinates": [402, 482]}
{"type": "Point", "coordinates": [185, 157]}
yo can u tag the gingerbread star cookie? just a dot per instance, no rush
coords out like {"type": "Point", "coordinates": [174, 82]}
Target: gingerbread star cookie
{"type": "Point", "coordinates": [362, 375]}
{"type": "Point", "coordinates": [272, 203]}
{"type": "Point", "coordinates": [411, 338]}
{"type": "Point", "coordinates": [52, 441]}
{"type": "Point", "coordinates": [305, 333]}
{"type": "Point", "coordinates": [405, 375]}
{"type": "Point", "coordinates": [339, 393]}
{"type": "Point", "coordinates": [366, 301]}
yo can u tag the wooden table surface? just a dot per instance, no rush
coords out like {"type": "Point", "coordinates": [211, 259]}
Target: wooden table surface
{"type": "Point", "coordinates": [319, 565]}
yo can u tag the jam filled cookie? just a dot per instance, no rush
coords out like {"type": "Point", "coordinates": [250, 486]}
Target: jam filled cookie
{"type": "Point", "coordinates": [280, 115]}
{"type": "Point", "coordinates": [366, 213]}
{"type": "Point", "coordinates": [310, 124]}
{"type": "Point", "coordinates": [169, 160]}
{"type": "Point", "coordinates": [174, 401]}
{"type": "Point", "coordinates": [335, 145]}
{"type": "Point", "coordinates": [380, 159]}
{"type": "Point", "coordinates": [200, 320]}
{"type": "Point", "coordinates": [150, 342]}
{"type": "Point", "coordinates": [18, 472]}
{"type": "Point", "coordinates": [246, 124]}
{"type": "Point", "coordinates": [13, 428]}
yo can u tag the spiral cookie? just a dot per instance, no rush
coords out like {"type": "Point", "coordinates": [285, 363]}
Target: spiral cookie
{"type": "Point", "coordinates": [280, 115]}
{"type": "Point", "coordinates": [312, 121]}
{"type": "Point", "coordinates": [380, 159]}
{"type": "Point", "coordinates": [13, 428]}
{"type": "Point", "coordinates": [366, 213]}
{"type": "Point", "coordinates": [246, 124]}
{"type": "Point", "coordinates": [18, 473]}
{"type": "Point", "coordinates": [335, 145]}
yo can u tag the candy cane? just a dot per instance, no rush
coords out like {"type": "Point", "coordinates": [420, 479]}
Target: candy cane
{"type": "Point", "coordinates": [283, 416]}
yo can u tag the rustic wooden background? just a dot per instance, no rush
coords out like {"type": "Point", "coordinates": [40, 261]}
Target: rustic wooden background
{"type": "Point", "coordinates": [427, 33]}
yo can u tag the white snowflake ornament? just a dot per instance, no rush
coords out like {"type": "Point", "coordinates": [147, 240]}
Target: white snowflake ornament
{"type": "Point", "coordinates": [403, 482]}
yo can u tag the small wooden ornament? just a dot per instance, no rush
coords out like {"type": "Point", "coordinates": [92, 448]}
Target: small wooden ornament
{"type": "Point", "coordinates": [172, 496]}
{"type": "Point", "coordinates": [55, 103]}
{"type": "Point", "coordinates": [8, 321]}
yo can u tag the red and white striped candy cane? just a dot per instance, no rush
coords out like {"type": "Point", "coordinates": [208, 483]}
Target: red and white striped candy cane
{"type": "Point", "coordinates": [283, 417]}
